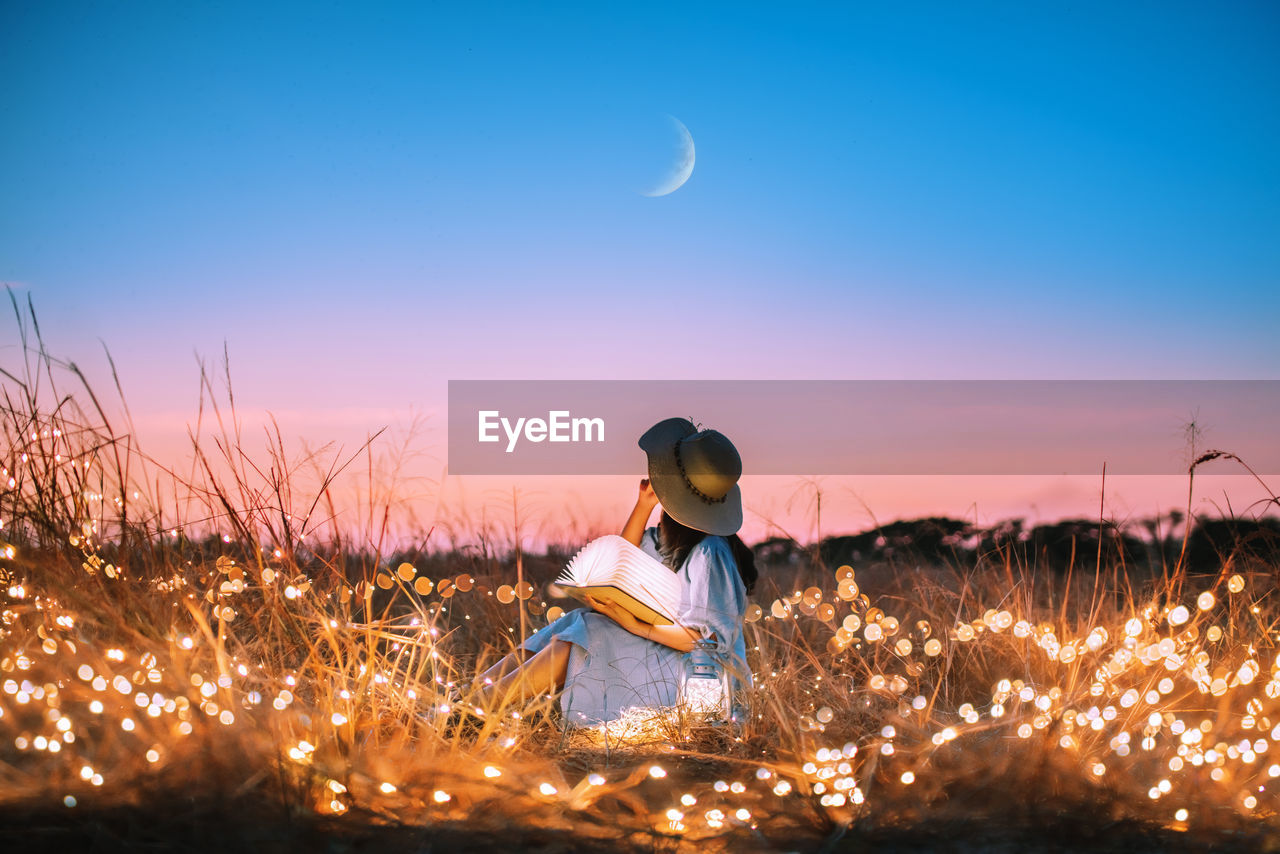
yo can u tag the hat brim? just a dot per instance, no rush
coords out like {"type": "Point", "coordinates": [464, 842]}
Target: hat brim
{"type": "Point", "coordinates": [722, 518]}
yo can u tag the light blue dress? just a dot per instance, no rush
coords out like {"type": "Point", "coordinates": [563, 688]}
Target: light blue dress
{"type": "Point", "coordinates": [611, 670]}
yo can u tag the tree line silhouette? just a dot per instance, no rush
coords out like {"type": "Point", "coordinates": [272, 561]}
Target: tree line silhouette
{"type": "Point", "coordinates": [1142, 545]}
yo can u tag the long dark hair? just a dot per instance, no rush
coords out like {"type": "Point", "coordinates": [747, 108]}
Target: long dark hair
{"type": "Point", "coordinates": [675, 541]}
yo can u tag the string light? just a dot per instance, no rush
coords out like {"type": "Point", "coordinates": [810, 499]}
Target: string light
{"type": "Point", "coordinates": [1174, 701]}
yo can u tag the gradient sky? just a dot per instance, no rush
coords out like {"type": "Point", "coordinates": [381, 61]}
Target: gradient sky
{"type": "Point", "coordinates": [366, 200]}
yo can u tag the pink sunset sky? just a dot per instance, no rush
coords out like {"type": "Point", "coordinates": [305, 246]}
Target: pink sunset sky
{"type": "Point", "coordinates": [322, 405]}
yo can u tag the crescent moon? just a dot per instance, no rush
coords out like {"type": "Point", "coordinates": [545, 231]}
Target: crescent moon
{"type": "Point", "coordinates": [681, 168]}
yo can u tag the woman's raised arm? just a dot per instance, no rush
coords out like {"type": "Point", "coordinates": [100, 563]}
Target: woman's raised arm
{"type": "Point", "coordinates": [639, 518]}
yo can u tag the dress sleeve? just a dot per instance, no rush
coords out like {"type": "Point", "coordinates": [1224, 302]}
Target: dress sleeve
{"type": "Point", "coordinates": [713, 598]}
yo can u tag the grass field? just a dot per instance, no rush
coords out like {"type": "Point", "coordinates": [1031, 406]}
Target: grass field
{"type": "Point", "coordinates": [189, 662]}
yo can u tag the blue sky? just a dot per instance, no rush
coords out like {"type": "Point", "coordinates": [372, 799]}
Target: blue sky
{"type": "Point", "coordinates": [906, 166]}
{"type": "Point", "coordinates": [364, 200]}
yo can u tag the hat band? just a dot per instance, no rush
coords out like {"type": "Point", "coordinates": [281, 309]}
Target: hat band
{"type": "Point", "coordinates": [706, 499]}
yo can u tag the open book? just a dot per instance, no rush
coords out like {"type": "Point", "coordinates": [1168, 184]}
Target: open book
{"type": "Point", "coordinates": [611, 569]}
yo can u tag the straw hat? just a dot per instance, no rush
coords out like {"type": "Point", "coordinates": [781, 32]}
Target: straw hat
{"type": "Point", "coordinates": [695, 475]}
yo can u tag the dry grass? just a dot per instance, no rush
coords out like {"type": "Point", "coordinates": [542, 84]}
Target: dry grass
{"type": "Point", "coordinates": [203, 659]}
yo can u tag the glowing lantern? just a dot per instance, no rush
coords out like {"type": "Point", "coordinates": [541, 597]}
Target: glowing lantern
{"type": "Point", "coordinates": [704, 684]}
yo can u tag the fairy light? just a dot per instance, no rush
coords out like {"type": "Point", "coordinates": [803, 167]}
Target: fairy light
{"type": "Point", "coordinates": [1150, 696]}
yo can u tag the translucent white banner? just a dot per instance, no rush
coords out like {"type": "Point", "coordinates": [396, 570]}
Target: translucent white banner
{"type": "Point", "coordinates": [815, 427]}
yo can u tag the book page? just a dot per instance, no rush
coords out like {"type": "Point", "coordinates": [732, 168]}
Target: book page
{"type": "Point", "coordinates": [626, 575]}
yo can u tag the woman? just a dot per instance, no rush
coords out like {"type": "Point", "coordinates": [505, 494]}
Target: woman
{"type": "Point", "coordinates": [607, 660]}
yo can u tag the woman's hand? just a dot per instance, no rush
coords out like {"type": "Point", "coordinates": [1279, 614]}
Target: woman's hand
{"type": "Point", "coordinates": [646, 498]}
{"type": "Point", "coordinates": [675, 636]}
{"type": "Point", "coordinates": [619, 615]}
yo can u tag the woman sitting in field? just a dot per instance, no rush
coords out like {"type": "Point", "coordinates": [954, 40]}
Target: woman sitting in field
{"type": "Point", "coordinates": [607, 660]}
